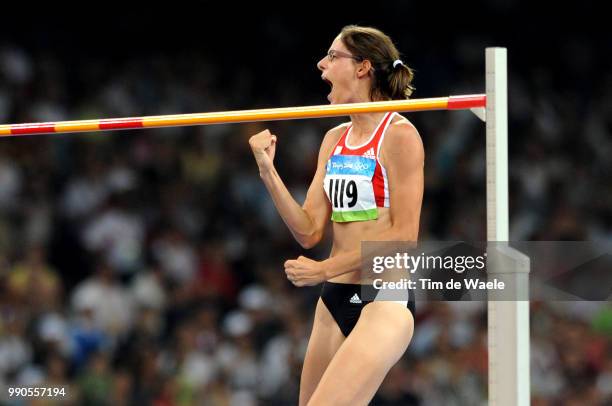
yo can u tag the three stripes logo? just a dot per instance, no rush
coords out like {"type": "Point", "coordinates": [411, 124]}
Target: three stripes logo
{"type": "Point", "coordinates": [355, 299]}
{"type": "Point", "coordinates": [369, 153]}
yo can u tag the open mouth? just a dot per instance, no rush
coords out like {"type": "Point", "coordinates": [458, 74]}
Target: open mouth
{"type": "Point", "coordinates": [331, 86]}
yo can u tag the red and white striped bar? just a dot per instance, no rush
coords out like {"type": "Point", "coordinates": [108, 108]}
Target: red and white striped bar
{"type": "Point", "coordinates": [241, 116]}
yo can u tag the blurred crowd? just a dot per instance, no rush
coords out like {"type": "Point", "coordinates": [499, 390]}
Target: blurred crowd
{"type": "Point", "coordinates": [145, 267]}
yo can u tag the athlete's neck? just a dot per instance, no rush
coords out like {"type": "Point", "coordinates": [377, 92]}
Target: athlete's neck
{"type": "Point", "coordinates": [363, 125]}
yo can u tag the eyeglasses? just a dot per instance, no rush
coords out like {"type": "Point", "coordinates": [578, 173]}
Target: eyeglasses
{"type": "Point", "coordinates": [333, 54]}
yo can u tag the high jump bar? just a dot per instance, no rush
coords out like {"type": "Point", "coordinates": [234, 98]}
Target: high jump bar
{"type": "Point", "coordinates": [462, 102]}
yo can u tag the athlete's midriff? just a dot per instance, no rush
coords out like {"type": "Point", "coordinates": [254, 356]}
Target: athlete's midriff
{"type": "Point", "coordinates": [348, 237]}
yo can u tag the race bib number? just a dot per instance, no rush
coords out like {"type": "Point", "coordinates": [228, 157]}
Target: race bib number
{"type": "Point", "coordinates": [348, 185]}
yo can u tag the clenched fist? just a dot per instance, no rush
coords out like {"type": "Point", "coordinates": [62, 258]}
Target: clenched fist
{"type": "Point", "coordinates": [263, 145]}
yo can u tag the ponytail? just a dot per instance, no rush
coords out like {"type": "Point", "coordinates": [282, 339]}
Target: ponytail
{"type": "Point", "coordinates": [399, 82]}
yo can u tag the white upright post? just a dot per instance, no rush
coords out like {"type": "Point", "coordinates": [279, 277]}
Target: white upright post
{"type": "Point", "coordinates": [508, 320]}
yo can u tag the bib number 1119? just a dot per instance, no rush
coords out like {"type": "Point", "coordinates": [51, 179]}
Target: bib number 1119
{"type": "Point", "coordinates": [338, 189]}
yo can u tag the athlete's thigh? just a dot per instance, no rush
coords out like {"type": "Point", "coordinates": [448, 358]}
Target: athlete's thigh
{"type": "Point", "coordinates": [325, 339]}
{"type": "Point", "coordinates": [377, 342]}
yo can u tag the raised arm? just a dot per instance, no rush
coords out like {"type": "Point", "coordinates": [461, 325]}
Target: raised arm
{"type": "Point", "coordinates": [306, 222]}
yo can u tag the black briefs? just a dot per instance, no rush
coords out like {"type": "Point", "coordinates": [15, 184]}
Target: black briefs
{"type": "Point", "coordinates": [343, 300]}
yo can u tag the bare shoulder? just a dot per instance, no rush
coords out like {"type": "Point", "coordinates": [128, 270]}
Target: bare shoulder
{"type": "Point", "coordinates": [332, 136]}
{"type": "Point", "coordinates": [402, 140]}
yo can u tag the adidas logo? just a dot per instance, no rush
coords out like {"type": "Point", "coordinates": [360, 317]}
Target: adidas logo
{"type": "Point", "coordinates": [355, 299]}
{"type": "Point", "coordinates": [369, 153]}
